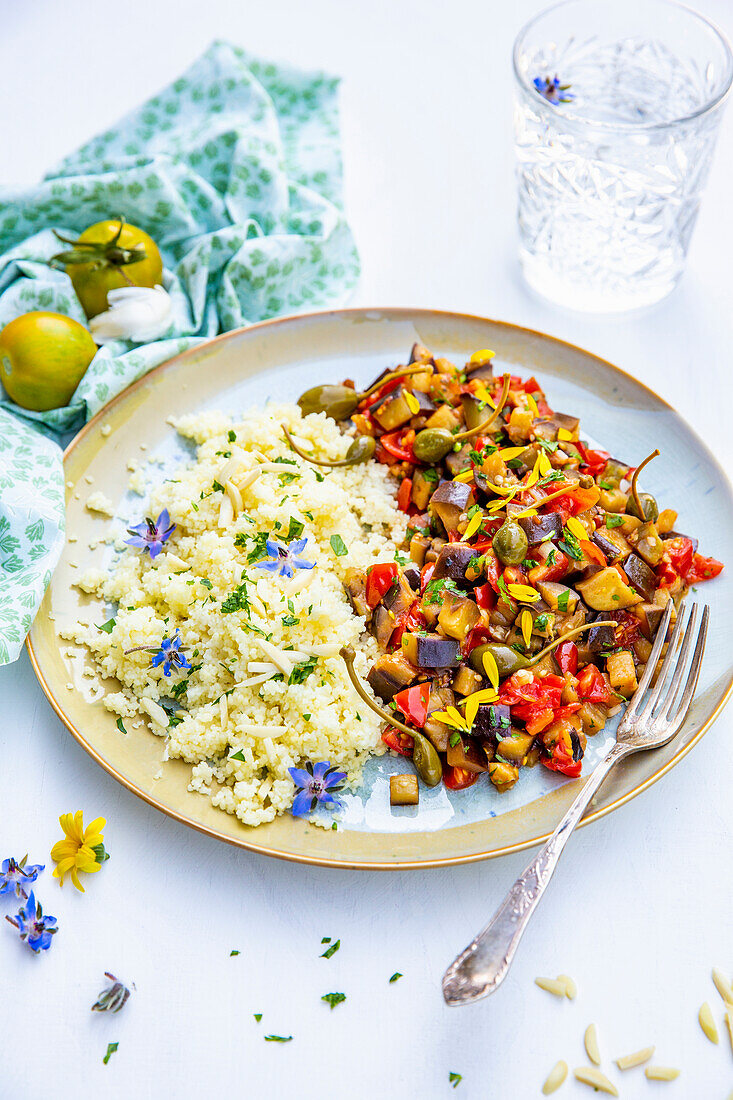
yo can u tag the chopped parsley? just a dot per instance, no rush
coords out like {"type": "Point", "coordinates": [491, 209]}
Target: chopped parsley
{"type": "Point", "coordinates": [302, 671]}
{"type": "Point", "coordinates": [236, 600]}
{"type": "Point", "coordinates": [107, 627]}
{"type": "Point", "coordinates": [111, 1048]}
{"type": "Point", "coordinates": [307, 718]}
{"type": "Point", "coordinates": [338, 546]}
{"type": "Point", "coordinates": [278, 1038]}
{"type": "Point", "coordinates": [552, 556]}
{"type": "Point", "coordinates": [334, 999]}
{"type": "Point", "coordinates": [217, 487]}
{"type": "Point", "coordinates": [319, 476]}
{"type": "Point", "coordinates": [562, 600]}
{"type": "Point", "coordinates": [326, 939]}
{"type": "Point", "coordinates": [120, 726]}
{"type": "Point", "coordinates": [290, 620]}
{"type": "Point", "coordinates": [232, 436]}
{"type": "Point", "coordinates": [614, 521]}
{"type": "Point", "coordinates": [206, 582]}
{"type": "Point", "coordinates": [395, 977]}
{"type": "Point", "coordinates": [295, 529]}
{"type": "Point", "coordinates": [238, 755]}
{"type": "Point", "coordinates": [233, 952]}
{"type": "Point", "coordinates": [570, 545]}
{"type": "Point", "coordinates": [548, 444]}
{"type": "Point", "coordinates": [455, 737]}
{"type": "Point", "coordinates": [455, 1079]}
{"type": "Point", "coordinates": [330, 951]}
{"type": "Point", "coordinates": [258, 1016]}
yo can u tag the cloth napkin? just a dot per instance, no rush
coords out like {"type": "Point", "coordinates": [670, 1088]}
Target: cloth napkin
{"type": "Point", "coordinates": [235, 171]}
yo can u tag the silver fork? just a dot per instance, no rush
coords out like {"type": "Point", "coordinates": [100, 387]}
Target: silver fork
{"type": "Point", "coordinates": [647, 724]}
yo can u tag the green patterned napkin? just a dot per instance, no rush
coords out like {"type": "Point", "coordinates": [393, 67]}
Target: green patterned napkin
{"type": "Point", "coordinates": [235, 171]}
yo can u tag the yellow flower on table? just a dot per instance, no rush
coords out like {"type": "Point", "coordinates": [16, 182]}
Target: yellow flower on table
{"type": "Point", "coordinates": [80, 850]}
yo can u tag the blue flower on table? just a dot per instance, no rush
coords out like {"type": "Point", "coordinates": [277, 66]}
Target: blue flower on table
{"type": "Point", "coordinates": [552, 90]}
{"type": "Point", "coordinates": [316, 785]}
{"type": "Point", "coordinates": [150, 535]}
{"type": "Point", "coordinates": [170, 655]}
{"type": "Point", "coordinates": [283, 560]}
{"type": "Point", "coordinates": [16, 876]}
{"type": "Point", "coordinates": [33, 927]}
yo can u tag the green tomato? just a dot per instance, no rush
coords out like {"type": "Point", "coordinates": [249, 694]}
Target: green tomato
{"type": "Point", "coordinates": [112, 247]}
{"type": "Point", "coordinates": [43, 357]}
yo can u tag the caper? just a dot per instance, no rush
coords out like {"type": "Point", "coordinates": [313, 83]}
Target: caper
{"type": "Point", "coordinates": [426, 760]}
{"type": "Point", "coordinates": [432, 444]}
{"type": "Point", "coordinates": [648, 504]}
{"type": "Point", "coordinates": [338, 402]}
{"type": "Point", "coordinates": [507, 659]}
{"type": "Point", "coordinates": [510, 543]}
{"type": "Point", "coordinates": [361, 449]}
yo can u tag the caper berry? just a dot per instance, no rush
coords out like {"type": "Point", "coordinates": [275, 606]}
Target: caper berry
{"type": "Point", "coordinates": [510, 543]}
{"type": "Point", "coordinates": [507, 659]}
{"type": "Point", "coordinates": [649, 506]}
{"type": "Point", "coordinates": [360, 450]}
{"type": "Point", "coordinates": [426, 760]}
{"type": "Point", "coordinates": [432, 444]}
{"type": "Point", "coordinates": [338, 402]}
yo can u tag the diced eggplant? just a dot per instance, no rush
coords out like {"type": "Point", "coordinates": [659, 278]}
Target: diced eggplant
{"type": "Point", "coordinates": [457, 461]}
{"type": "Point", "coordinates": [606, 591]}
{"type": "Point", "coordinates": [515, 747]}
{"type": "Point", "coordinates": [444, 417]}
{"type": "Point", "coordinates": [355, 585]}
{"type": "Point", "coordinates": [390, 673]}
{"type": "Point", "coordinates": [466, 681]}
{"type": "Point", "coordinates": [419, 545]}
{"type": "Point", "coordinates": [474, 411]}
{"type": "Point", "coordinates": [466, 754]}
{"type": "Point", "coordinates": [622, 672]}
{"type": "Point", "coordinates": [440, 699]}
{"type": "Point", "coordinates": [423, 483]}
{"type": "Point", "coordinates": [601, 638]}
{"type": "Point", "coordinates": [399, 596]}
{"type": "Point", "coordinates": [539, 528]}
{"type": "Point", "coordinates": [614, 537]}
{"type": "Point", "coordinates": [430, 650]}
{"type": "Point", "coordinates": [503, 775]}
{"type": "Point", "coordinates": [382, 625]}
{"type": "Point", "coordinates": [493, 721]}
{"type": "Point", "coordinates": [453, 561]}
{"type": "Point", "coordinates": [412, 576]}
{"type": "Point", "coordinates": [641, 577]}
{"type": "Point", "coordinates": [448, 502]}
{"type": "Point", "coordinates": [420, 354]}
{"type": "Point", "coordinates": [426, 406]}
{"type": "Point", "coordinates": [436, 545]}
{"type": "Point", "coordinates": [392, 411]}
{"type": "Point", "coordinates": [458, 616]}
{"type": "Point", "coordinates": [548, 427]}
{"type": "Point", "coordinates": [679, 535]}
{"type": "Point", "coordinates": [609, 549]}
{"type": "Point", "coordinates": [592, 717]}
{"type": "Point", "coordinates": [480, 369]}
{"type": "Point", "coordinates": [403, 790]}
{"type": "Point", "coordinates": [558, 596]}
{"type": "Point", "coordinates": [648, 544]}
{"type": "Point", "coordinates": [650, 616]}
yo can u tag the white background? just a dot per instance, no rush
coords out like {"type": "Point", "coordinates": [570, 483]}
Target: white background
{"type": "Point", "coordinates": [641, 906]}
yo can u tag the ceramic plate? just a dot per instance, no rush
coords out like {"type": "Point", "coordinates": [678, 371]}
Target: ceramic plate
{"type": "Point", "coordinates": [282, 358]}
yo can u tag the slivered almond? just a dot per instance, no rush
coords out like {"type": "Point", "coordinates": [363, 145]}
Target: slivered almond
{"type": "Point", "coordinates": [223, 711]}
{"type": "Point", "coordinates": [552, 985]}
{"type": "Point", "coordinates": [571, 989]}
{"type": "Point", "coordinates": [723, 986]}
{"type": "Point", "coordinates": [226, 513]}
{"type": "Point", "coordinates": [590, 1040]}
{"type": "Point", "coordinates": [555, 1078]}
{"type": "Point", "coordinates": [589, 1075]}
{"type": "Point", "coordinates": [155, 711]}
{"type": "Point", "coordinates": [235, 496]}
{"type": "Point", "coordinates": [246, 479]}
{"type": "Point", "coordinates": [661, 1073]}
{"type": "Point", "coordinates": [729, 1024]}
{"type": "Point", "coordinates": [707, 1022]}
{"type": "Point", "coordinates": [638, 1058]}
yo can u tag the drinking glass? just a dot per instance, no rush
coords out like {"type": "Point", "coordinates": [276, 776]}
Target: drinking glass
{"type": "Point", "coordinates": [617, 110]}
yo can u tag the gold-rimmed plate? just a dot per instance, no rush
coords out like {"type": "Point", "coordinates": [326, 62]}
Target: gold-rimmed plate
{"type": "Point", "coordinates": [280, 359]}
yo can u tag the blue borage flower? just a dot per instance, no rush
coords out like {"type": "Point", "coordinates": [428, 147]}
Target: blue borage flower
{"type": "Point", "coordinates": [150, 535]}
{"type": "Point", "coordinates": [16, 876]}
{"type": "Point", "coordinates": [169, 653]}
{"type": "Point", "coordinates": [283, 560]}
{"type": "Point", "coordinates": [114, 997]}
{"type": "Point", "coordinates": [552, 90]}
{"type": "Point", "coordinates": [33, 927]}
{"type": "Point", "coordinates": [316, 785]}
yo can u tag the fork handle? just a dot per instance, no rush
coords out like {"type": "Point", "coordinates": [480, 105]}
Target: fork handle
{"type": "Point", "coordinates": [482, 967]}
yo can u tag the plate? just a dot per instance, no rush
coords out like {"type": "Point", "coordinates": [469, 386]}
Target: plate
{"type": "Point", "coordinates": [282, 358]}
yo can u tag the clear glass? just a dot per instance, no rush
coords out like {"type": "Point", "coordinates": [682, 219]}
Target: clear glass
{"type": "Point", "coordinates": [610, 181]}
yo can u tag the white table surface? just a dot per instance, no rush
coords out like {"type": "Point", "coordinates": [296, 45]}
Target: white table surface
{"type": "Point", "coordinates": [642, 904]}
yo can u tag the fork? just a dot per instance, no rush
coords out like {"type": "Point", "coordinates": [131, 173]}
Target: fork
{"type": "Point", "coordinates": [647, 724]}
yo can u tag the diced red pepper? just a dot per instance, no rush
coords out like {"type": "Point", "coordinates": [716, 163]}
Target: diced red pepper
{"type": "Point", "coordinates": [404, 494]}
{"type": "Point", "coordinates": [540, 689]}
{"type": "Point", "coordinates": [410, 620]}
{"type": "Point", "coordinates": [457, 779]}
{"type": "Point", "coordinates": [566, 656]}
{"type": "Point", "coordinates": [478, 636]}
{"type": "Point", "coordinates": [561, 760]}
{"type": "Point", "coordinates": [413, 702]}
{"type": "Point", "coordinates": [593, 687]}
{"type": "Point", "coordinates": [574, 501]}
{"type": "Point", "coordinates": [493, 571]}
{"type": "Point", "coordinates": [485, 596]}
{"type": "Point", "coordinates": [680, 550]}
{"type": "Point", "coordinates": [594, 462]}
{"type": "Point", "coordinates": [376, 397]}
{"type": "Point", "coordinates": [703, 569]}
{"type": "Point", "coordinates": [556, 570]}
{"type": "Point", "coordinates": [592, 552]}
{"type": "Point", "coordinates": [399, 741]}
{"type": "Point", "coordinates": [378, 581]}
{"type": "Point", "coordinates": [535, 717]}
{"type": "Point", "coordinates": [425, 574]}
{"type": "Point", "coordinates": [399, 444]}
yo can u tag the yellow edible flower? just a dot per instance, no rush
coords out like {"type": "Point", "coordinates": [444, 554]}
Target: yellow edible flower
{"type": "Point", "coordinates": [482, 356]}
{"type": "Point", "coordinates": [412, 403]}
{"type": "Point", "coordinates": [575, 527]}
{"type": "Point", "coordinates": [523, 593]}
{"type": "Point", "coordinates": [473, 525]}
{"type": "Point", "coordinates": [526, 622]}
{"type": "Point", "coordinates": [80, 850]}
